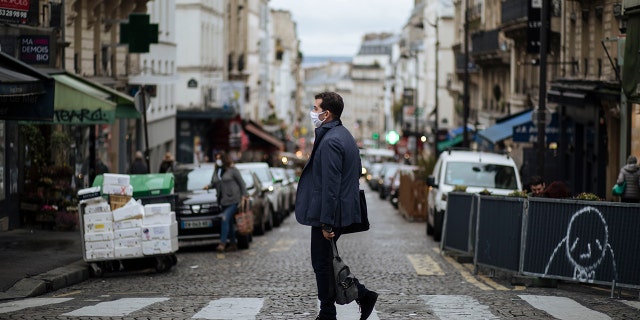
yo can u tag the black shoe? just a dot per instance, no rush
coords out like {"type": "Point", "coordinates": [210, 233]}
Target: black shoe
{"type": "Point", "coordinates": [319, 317]}
{"type": "Point", "coordinates": [367, 302]}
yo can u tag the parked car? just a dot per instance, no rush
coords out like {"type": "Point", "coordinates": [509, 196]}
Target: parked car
{"type": "Point", "coordinates": [288, 189]}
{"type": "Point", "coordinates": [477, 171]}
{"type": "Point", "coordinates": [373, 174]}
{"type": "Point", "coordinates": [262, 214]}
{"type": "Point", "coordinates": [395, 182]}
{"type": "Point", "coordinates": [386, 174]}
{"type": "Point", "coordinates": [197, 212]}
{"type": "Point", "coordinates": [268, 187]}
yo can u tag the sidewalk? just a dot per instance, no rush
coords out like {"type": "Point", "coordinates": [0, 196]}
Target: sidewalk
{"type": "Point", "coordinates": [36, 261]}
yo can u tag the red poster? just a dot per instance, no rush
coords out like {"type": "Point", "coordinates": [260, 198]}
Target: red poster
{"type": "Point", "coordinates": [14, 11]}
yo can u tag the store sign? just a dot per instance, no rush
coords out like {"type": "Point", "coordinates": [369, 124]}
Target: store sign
{"type": "Point", "coordinates": [34, 49]}
{"type": "Point", "coordinates": [14, 11]}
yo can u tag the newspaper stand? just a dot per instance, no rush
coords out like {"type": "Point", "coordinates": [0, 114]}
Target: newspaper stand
{"type": "Point", "coordinates": [100, 264]}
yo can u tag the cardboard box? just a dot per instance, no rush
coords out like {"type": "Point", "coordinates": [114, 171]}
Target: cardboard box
{"type": "Point", "coordinates": [96, 227]}
{"type": "Point", "coordinates": [128, 252]}
{"type": "Point", "coordinates": [96, 207]}
{"type": "Point", "coordinates": [153, 247]}
{"type": "Point", "coordinates": [117, 189]}
{"type": "Point", "coordinates": [158, 219]}
{"type": "Point", "coordinates": [118, 179]}
{"type": "Point", "coordinates": [99, 254]}
{"type": "Point", "coordinates": [132, 210]}
{"type": "Point", "coordinates": [99, 245]}
{"type": "Point", "coordinates": [157, 208]}
{"type": "Point", "coordinates": [127, 242]}
{"type": "Point", "coordinates": [128, 233]}
{"type": "Point", "coordinates": [127, 224]}
{"type": "Point", "coordinates": [97, 217]}
{"type": "Point", "coordinates": [160, 232]}
{"type": "Point", "coordinates": [98, 236]}
{"type": "Point", "coordinates": [89, 193]}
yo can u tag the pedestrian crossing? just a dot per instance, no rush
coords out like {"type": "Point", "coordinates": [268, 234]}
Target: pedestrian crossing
{"type": "Point", "coordinates": [443, 307]}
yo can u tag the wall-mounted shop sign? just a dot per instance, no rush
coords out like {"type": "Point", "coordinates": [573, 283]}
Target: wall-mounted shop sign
{"type": "Point", "coordinates": [192, 83]}
{"type": "Point", "coordinates": [15, 11]}
{"type": "Point", "coordinates": [34, 49]}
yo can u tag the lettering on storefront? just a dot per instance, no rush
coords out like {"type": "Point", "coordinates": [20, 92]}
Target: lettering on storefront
{"type": "Point", "coordinates": [34, 49]}
{"type": "Point", "coordinates": [79, 116]}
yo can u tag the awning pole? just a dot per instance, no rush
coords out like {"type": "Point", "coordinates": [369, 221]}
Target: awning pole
{"type": "Point", "coordinates": [146, 129]}
{"type": "Point", "coordinates": [542, 98]}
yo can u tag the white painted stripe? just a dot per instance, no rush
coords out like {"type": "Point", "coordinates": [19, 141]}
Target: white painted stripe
{"type": "Point", "coordinates": [454, 307]}
{"type": "Point", "coordinates": [633, 304]}
{"type": "Point", "coordinates": [231, 308]}
{"type": "Point", "coordinates": [116, 308]}
{"type": "Point", "coordinates": [29, 303]}
{"type": "Point", "coordinates": [351, 311]}
{"type": "Point", "coordinates": [563, 308]}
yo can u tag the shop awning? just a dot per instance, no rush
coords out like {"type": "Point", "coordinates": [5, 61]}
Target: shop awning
{"type": "Point", "coordinates": [450, 143]}
{"type": "Point", "coordinates": [264, 136]}
{"type": "Point", "coordinates": [80, 101]}
{"type": "Point", "coordinates": [504, 129]}
{"type": "Point", "coordinates": [25, 93]}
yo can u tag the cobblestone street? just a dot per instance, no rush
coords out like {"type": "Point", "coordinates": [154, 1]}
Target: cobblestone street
{"type": "Point", "coordinates": [274, 280]}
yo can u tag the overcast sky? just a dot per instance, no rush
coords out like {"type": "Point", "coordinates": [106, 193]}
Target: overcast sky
{"type": "Point", "coordinates": [336, 27]}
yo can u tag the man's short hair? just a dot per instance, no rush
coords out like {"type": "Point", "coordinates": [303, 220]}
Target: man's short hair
{"type": "Point", "coordinates": [331, 101]}
{"type": "Point", "coordinates": [535, 180]}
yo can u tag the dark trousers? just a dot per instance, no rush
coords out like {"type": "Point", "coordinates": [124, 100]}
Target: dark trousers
{"type": "Point", "coordinates": [322, 261]}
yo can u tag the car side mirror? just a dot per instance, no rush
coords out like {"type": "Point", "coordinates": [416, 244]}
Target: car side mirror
{"type": "Point", "coordinates": [431, 181]}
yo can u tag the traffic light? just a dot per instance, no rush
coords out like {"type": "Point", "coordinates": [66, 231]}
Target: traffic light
{"type": "Point", "coordinates": [392, 137]}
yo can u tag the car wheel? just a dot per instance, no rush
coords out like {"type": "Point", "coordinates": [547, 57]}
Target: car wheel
{"type": "Point", "coordinates": [259, 227]}
{"type": "Point", "coordinates": [269, 222]}
{"type": "Point", "coordinates": [429, 229]}
{"type": "Point", "coordinates": [438, 221]}
{"type": "Point", "coordinates": [277, 219]}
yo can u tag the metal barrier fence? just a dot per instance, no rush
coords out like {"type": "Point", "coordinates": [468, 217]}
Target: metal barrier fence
{"type": "Point", "coordinates": [585, 241]}
{"type": "Point", "coordinates": [574, 240]}
{"type": "Point", "coordinates": [459, 222]}
{"type": "Point", "coordinates": [499, 229]}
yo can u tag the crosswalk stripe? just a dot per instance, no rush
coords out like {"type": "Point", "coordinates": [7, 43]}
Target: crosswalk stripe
{"type": "Point", "coordinates": [29, 303]}
{"type": "Point", "coordinates": [455, 307]}
{"type": "Point", "coordinates": [231, 308]}
{"type": "Point", "coordinates": [563, 308]}
{"type": "Point", "coordinates": [351, 311]}
{"type": "Point", "coordinates": [425, 265]}
{"type": "Point", "coordinates": [467, 276]}
{"type": "Point", "coordinates": [633, 304]}
{"type": "Point", "coordinates": [116, 308]}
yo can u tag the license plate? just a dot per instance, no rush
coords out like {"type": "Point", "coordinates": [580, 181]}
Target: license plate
{"type": "Point", "coordinates": [194, 224]}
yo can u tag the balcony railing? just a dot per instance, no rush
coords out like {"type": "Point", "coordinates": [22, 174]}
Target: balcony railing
{"type": "Point", "coordinates": [485, 41]}
{"type": "Point", "coordinates": [513, 10]}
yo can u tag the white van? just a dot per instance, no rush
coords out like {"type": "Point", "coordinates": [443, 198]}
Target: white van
{"type": "Point", "coordinates": [477, 171]}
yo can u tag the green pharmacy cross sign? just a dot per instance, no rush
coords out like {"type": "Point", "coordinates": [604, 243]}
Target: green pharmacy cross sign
{"type": "Point", "coordinates": [138, 33]}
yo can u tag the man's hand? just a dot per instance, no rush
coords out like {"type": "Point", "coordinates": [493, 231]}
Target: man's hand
{"type": "Point", "coordinates": [327, 235]}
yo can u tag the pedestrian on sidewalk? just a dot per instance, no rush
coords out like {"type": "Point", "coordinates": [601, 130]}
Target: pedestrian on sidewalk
{"type": "Point", "coordinates": [231, 189]}
{"type": "Point", "coordinates": [631, 174]}
{"type": "Point", "coordinates": [138, 166]}
{"type": "Point", "coordinates": [167, 164]}
{"type": "Point", "coordinates": [329, 185]}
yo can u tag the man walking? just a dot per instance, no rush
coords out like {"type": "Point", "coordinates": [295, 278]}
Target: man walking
{"type": "Point", "coordinates": [328, 189]}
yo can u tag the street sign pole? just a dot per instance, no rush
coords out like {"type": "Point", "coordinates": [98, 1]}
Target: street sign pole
{"type": "Point", "coordinates": [541, 114]}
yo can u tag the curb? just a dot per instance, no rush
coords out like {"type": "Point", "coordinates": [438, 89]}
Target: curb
{"type": "Point", "coordinates": [49, 281]}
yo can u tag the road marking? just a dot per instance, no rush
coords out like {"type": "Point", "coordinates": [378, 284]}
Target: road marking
{"type": "Point", "coordinates": [351, 311]}
{"type": "Point", "coordinates": [455, 307]}
{"type": "Point", "coordinates": [68, 294]}
{"type": "Point", "coordinates": [633, 304]}
{"type": "Point", "coordinates": [492, 283]}
{"type": "Point", "coordinates": [466, 275]}
{"type": "Point", "coordinates": [425, 265]}
{"type": "Point", "coordinates": [29, 303]}
{"type": "Point", "coordinates": [563, 308]}
{"type": "Point", "coordinates": [282, 245]}
{"type": "Point", "coordinates": [231, 308]}
{"type": "Point", "coordinates": [115, 308]}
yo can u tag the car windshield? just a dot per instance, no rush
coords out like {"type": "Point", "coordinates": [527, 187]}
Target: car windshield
{"type": "Point", "coordinates": [263, 174]}
{"type": "Point", "coordinates": [192, 179]}
{"type": "Point", "coordinates": [248, 179]}
{"type": "Point", "coordinates": [472, 174]}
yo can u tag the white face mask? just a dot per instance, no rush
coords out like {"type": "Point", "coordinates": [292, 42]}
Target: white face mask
{"type": "Point", "coordinates": [315, 118]}
{"type": "Point", "coordinates": [219, 163]}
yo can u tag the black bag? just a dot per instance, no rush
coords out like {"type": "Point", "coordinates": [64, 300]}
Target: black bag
{"type": "Point", "coordinates": [364, 218]}
{"type": "Point", "coordinates": [346, 289]}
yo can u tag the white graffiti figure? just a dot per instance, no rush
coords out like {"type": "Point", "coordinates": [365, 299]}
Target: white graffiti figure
{"type": "Point", "coordinates": [586, 244]}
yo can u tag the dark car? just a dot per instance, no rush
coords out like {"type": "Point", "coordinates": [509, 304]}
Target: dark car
{"type": "Point", "coordinates": [262, 214]}
{"type": "Point", "coordinates": [198, 214]}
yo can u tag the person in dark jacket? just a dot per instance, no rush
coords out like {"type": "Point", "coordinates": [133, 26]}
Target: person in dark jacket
{"type": "Point", "coordinates": [167, 164]}
{"type": "Point", "coordinates": [328, 188]}
{"type": "Point", "coordinates": [138, 166]}
{"type": "Point", "coordinates": [631, 174]}
{"type": "Point", "coordinates": [230, 189]}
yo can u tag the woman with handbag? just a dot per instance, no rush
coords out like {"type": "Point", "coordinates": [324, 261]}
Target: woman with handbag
{"type": "Point", "coordinates": [630, 175]}
{"type": "Point", "coordinates": [230, 190]}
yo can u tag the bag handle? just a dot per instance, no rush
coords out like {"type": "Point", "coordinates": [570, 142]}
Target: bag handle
{"type": "Point", "coordinates": [334, 247]}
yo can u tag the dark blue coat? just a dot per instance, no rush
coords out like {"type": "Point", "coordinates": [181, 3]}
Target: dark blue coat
{"type": "Point", "coordinates": [329, 183]}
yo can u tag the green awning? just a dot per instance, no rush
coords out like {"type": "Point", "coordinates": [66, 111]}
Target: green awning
{"type": "Point", "coordinates": [80, 101]}
{"type": "Point", "coordinates": [449, 143]}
